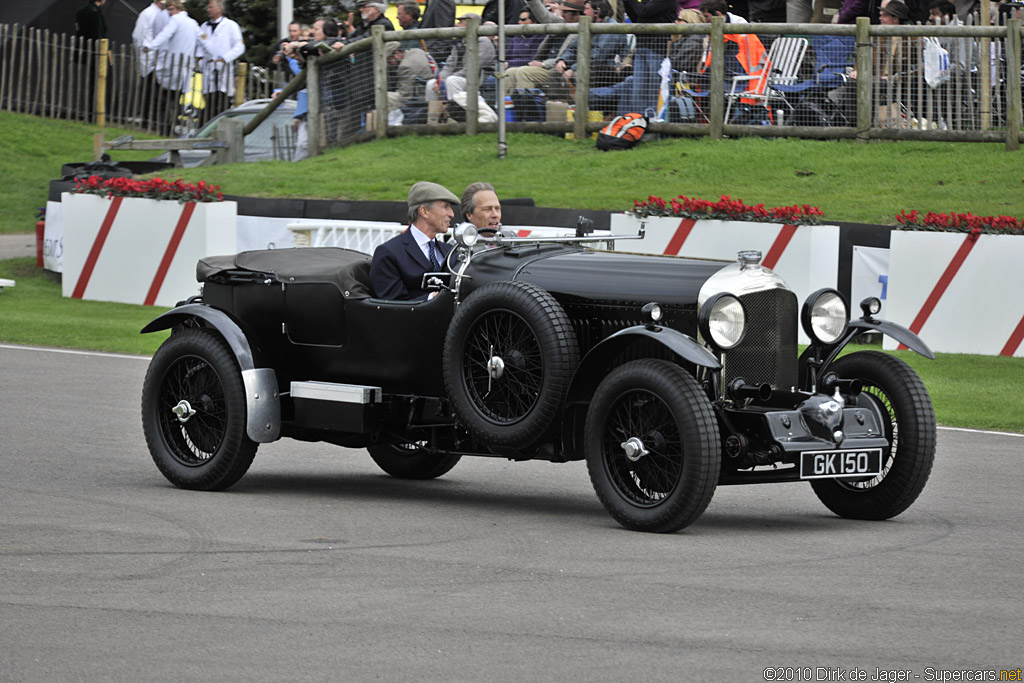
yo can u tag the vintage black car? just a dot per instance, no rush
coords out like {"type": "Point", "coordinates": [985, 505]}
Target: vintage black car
{"type": "Point", "coordinates": [669, 376]}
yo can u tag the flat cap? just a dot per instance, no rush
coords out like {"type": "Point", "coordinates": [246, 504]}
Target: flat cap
{"type": "Point", "coordinates": [425, 192]}
{"type": "Point", "coordinates": [391, 47]}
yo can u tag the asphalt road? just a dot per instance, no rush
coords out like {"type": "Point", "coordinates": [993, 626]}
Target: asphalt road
{"type": "Point", "coordinates": [318, 567]}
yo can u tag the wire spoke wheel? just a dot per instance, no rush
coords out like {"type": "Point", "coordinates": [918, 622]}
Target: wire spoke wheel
{"type": "Point", "coordinates": [506, 392]}
{"type": "Point", "coordinates": [191, 384]}
{"type": "Point", "coordinates": [651, 444]}
{"type": "Point", "coordinates": [509, 356]}
{"type": "Point", "coordinates": [194, 412]}
{"type": "Point", "coordinates": [908, 420]}
{"type": "Point", "coordinates": [653, 477]}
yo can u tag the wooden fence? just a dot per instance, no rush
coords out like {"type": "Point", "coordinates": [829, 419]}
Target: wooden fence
{"type": "Point", "coordinates": [980, 103]}
{"type": "Point", "coordinates": [56, 75]}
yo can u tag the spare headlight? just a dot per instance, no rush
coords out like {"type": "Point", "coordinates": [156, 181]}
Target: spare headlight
{"type": "Point", "coordinates": [722, 321]}
{"type": "Point", "coordinates": [465, 234]}
{"type": "Point", "coordinates": [825, 316]}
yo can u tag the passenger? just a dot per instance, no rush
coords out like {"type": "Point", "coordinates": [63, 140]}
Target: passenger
{"type": "Point", "coordinates": [399, 264]}
{"type": "Point", "coordinates": [480, 206]}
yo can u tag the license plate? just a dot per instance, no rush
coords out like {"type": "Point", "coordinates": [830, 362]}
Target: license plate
{"type": "Point", "coordinates": [863, 462]}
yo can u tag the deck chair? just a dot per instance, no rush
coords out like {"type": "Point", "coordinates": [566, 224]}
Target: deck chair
{"type": "Point", "coordinates": [744, 60]}
{"type": "Point", "coordinates": [781, 67]}
{"type": "Point", "coordinates": [808, 99]}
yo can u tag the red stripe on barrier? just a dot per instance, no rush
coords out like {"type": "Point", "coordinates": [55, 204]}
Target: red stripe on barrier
{"type": "Point", "coordinates": [779, 246]}
{"type": "Point", "coordinates": [682, 232]}
{"type": "Point", "coordinates": [940, 287]}
{"type": "Point", "coordinates": [97, 247]}
{"type": "Point", "coordinates": [172, 247]}
{"type": "Point", "coordinates": [524, 233]}
{"type": "Point", "coordinates": [1015, 339]}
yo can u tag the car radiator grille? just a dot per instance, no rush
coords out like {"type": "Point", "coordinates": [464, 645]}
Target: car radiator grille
{"type": "Point", "coordinates": [767, 353]}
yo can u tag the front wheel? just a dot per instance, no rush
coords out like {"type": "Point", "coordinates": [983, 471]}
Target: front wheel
{"type": "Point", "coordinates": [652, 446]}
{"type": "Point", "coordinates": [194, 414]}
{"type": "Point", "coordinates": [412, 460]}
{"type": "Point", "coordinates": [909, 423]}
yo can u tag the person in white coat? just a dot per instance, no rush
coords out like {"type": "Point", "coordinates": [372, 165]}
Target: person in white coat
{"type": "Point", "coordinates": [151, 21]}
{"type": "Point", "coordinates": [175, 48]}
{"type": "Point", "coordinates": [220, 44]}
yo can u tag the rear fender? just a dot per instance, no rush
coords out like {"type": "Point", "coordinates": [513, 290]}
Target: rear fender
{"type": "Point", "coordinates": [262, 402]}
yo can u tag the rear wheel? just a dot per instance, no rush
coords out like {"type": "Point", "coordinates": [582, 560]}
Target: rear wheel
{"type": "Point", "coordinates": [651, 443]}
{"type": "Point", "coordinates": [194, 413]}
{"type": "Point", "coordinates": [909, 423]}
{"type": "Point", "coordinates": [412, 460]}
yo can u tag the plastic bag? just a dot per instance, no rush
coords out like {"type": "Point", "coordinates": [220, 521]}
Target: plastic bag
{"type": "Point", "coordinates": [936, 63]}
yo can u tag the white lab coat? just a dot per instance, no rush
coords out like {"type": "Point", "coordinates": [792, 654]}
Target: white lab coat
{"type": "Point", "coordinates": [176, 46]}
{"type": "Point", "coordinates": [145, 30]}
{"type": "Point", "coordinates": [225, 43]}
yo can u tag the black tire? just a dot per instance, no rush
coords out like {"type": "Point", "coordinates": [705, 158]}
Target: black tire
{"type": "Point", "coordinates": [412, 461]}
{"type": "Point", "coordinates": [210, 450]}
{"type": "Point", "coordinates": [899, 393]}
{"type": "Point", "coordinates": [527, 330]}
{"type": "Point", "coordinates": [661, 405]}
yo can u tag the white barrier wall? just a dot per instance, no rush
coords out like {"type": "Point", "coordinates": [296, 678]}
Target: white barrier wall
{"type": "Point", "coordinates": [140, 251]}
{"type": "Point", "coordinates": [805, 256]}
{"type": "Point", "coordinates": [959, 295]}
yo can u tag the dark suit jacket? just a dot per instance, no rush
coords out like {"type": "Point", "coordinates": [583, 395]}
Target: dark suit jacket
{"type": "Point", "coordinates": [90, 23]}
{"type": "Point", "coordinates": [398, 267]}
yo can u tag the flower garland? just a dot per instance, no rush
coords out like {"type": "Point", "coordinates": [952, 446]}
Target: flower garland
{"type": "Point", "coordinates": [155, 188]}
{"type": "Point", "coordinates": [726, 208]}
{"type": "Point", "coordinates": [960, 222]}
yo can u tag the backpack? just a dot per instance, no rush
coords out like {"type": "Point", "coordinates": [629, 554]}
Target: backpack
{"type": "Point", "coordinates": [622, 132]}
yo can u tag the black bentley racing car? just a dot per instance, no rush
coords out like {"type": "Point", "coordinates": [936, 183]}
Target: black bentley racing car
{"type": "Point", "coordinates": [669, 376]}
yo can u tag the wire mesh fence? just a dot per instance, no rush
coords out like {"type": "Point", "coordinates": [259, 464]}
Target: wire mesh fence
{"type": "Point", "coordinates": [804, 80]}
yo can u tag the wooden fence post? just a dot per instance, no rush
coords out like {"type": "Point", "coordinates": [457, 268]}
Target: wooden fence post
{"type": "Point", "coordinates": [582, 76]}
{"type": "Point", "coordinates": [472, 75]}
{"type": "Point", "coordinates": [717, 96]}
{"type": "Point", "coordinates": [101, 83]}
{"type": "Point", "coordinates": [230, 131]}
{"type": "Point", "coordinates": [241, 72]}
{"type": "Point", "coordinates": [380, 82]}
{"type": "Point", "coordinates": [1013, 103]}
{"type": "Point", "coordinates": [313, 104]}
{"type": "Point", "coordinates": [864, 75]}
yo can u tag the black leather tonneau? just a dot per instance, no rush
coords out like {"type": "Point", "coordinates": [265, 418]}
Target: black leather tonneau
{"type": "Point", "coordinates": [313, 264]}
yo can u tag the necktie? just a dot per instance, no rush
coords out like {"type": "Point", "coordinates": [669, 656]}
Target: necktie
{"type": "Point", "coordinates": [432, 255]}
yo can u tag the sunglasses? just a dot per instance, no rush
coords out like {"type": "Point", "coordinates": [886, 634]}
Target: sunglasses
{"type": "Point", "coordinates": [524, 18]}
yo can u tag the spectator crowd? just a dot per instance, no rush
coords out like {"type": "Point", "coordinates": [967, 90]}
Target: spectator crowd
{"type": "Point", "coordinates": [193, 64]}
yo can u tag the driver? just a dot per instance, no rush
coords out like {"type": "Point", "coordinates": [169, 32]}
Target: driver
{"type": "Point", "coordinates": [399, 264]}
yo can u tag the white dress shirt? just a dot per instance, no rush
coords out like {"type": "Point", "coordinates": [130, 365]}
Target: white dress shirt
{"type": "Point", "coordinates": [223, 43]}
{"type": "Point", "coordinates": [176, 46]}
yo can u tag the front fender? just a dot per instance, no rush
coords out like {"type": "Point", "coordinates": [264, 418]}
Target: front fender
{"type": "Point", "coordinates": [262, 402]}
{"type": "Point", "coordinates": [587, 377]}
{"type": "Point", "coordinates": [897, 332]}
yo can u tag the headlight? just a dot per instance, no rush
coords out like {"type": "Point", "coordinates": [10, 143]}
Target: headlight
{"type": "Point", "coordinates": [722, 321]}
{"type": "Point", "coordinates": [825, 316]}
{"type": "Point", "coordinates": [465, 234]}
{"type": "Point", "coordinates": [651, 313]}
{"type": "Point", "coordinates": [871, 306]}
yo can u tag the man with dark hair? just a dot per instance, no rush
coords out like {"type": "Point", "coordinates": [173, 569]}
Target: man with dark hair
{"type": "Point", "coordinates": [89, 21]}
{"type": "Point", "coordinates": [399, 264]}
{"type": "Point", "coordinates": [408, 14]}
{"type": "Point", "coordinates": [480, 206]}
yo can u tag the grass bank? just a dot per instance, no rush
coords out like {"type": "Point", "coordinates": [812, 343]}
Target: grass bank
{"type": "Point", "coordinates": [854, 182]}
{"type": "Point", "coordinates": [981, 392]}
